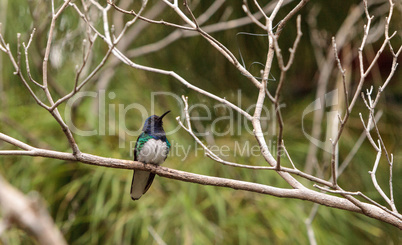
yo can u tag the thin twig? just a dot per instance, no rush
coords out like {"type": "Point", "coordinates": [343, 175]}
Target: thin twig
{"type": "Point", "coordinates": [308, 222]}
{"type": "Point", "coordinates": [26, 47]}
{"type": "Point", "coordinates": [246, 9]}
{"type": "Point", "coordinates": [284, 68]}
{"type": "Point", "coordinates": [358, 193]}
{"type": "Point", "coordinates": [342, 71]}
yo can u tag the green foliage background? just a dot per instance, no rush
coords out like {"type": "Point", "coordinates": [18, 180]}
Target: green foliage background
{"type": "Point", "coordinates": [92, 205]}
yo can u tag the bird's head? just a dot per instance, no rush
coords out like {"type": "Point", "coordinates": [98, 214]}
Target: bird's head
{"type": "Point", "coordinates": [153, 125]}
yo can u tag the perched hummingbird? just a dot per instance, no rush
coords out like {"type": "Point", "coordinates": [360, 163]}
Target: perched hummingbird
{"type": "Point", "coordinates": [152, 147]}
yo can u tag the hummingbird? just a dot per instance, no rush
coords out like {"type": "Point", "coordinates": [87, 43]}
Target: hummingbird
{"type": "Point", "coordinates": [152, 147]}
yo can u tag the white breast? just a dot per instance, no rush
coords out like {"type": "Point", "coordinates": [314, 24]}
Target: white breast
{"type": "Point", "coordinates": [154, 151]}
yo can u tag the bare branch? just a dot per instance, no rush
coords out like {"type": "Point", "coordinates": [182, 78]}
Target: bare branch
{"type": "Point", "coordinates": [27, 60]}
{"type": "Point", "coordinates": [294, 11]}
{"type": "Point", "coordinates": [284, 68]}
{"type": "Point", "coordinates": [358, 193]}
{"type": "Point", "coordinates": [262, 11]}
{"type": "Point", "coordinates": [308, 222]}
{"type": "Point", "coordinates": [367, 130]}
{"type": "Point", "coordinates": [19, 73]}
{"type": "Point", "coordinates": [28, 213]}
{"type": "Point", "coordinates": [357, 145]}
{"type": "Point", "coordinates": [214, 157]}
{"type": "Point", "coordinates": [364, 73]}
{"type": "Point", "coordinates": [303, 193]}
{"type": "Point", "coordinates": [344, 34]}
{"type": "Point", "coordinates": [84, 82]}
{"type": "Point", "coordinates": [342, 71]}
{"type": "Point", "coordinates": [15, 142]}
{"type": "Point", "coordinates": [374, 179]}
{"type": "Point", "coordinates": [208, 152]}
{"type": "Point", "coordinates": [246, 9]}
{"type": "Point", "coordinates": [220, 47]}
{"type": "Point", "coordinates": [162, 22]}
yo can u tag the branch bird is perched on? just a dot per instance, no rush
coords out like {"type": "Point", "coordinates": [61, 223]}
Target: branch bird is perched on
{"type": "Point", "coordinates": [152, 147]}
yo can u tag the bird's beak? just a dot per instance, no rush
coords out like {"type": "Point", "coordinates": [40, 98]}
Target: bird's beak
{"type": "Point", "coordinates": [164, 114]}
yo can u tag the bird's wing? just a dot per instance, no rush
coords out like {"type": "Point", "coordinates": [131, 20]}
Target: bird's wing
{"type": "Point", "coordinates": [168, 148]}
{"type": "Point", "coordinates": [135, 148]}
{"type": "Point", "coordinates": [149, 183]}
